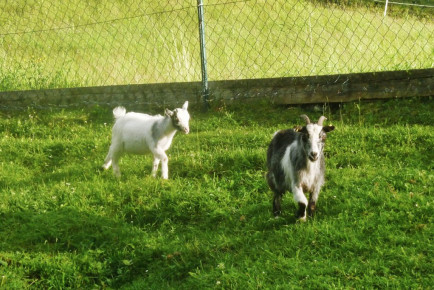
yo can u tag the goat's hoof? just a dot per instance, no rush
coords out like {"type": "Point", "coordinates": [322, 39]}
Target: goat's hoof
{"type": "Point", "coordinates": [301, 219]}
{"type": "Point", "coordinates": [311, 213]}
{"type": "Point", "coordinates": [277, 213]}
{"type": "Point", "coordinates": [311, 209]}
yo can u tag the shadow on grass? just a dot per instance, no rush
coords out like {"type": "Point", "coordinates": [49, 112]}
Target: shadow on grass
{"type": "Point", "coordinates": [88, 249]}
{"type": "Point", "coordinates": [64, 229]}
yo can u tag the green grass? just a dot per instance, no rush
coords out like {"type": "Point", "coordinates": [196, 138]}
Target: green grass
{"type": "Point", "coordinates": [66, 224]}
{"type": "Point", "coordinates": [45, 45]}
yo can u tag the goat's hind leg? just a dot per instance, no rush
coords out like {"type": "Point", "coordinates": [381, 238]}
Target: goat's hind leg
{"type": "Point", "coordinates": [155, 166]}
{"type": "Point", "coordinates": [277, 200]}
{"type": "Point", "coordinates": [114, 148]}
{"type": "Point", "coordinates": [115, 163]}
{"type": "Point", "coordinates": [116, 168]}
{"type": "Point", "coordinates": [107, 161]}
{"type": "Point", "coordinates": [112, 159]}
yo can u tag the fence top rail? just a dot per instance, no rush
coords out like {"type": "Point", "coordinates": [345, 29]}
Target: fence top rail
{"type": "Point", "coordinates": [405, 4]}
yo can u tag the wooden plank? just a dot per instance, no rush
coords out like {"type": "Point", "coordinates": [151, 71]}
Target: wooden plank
{"type": "Point", "coordinates": [294, 90]}
{"type": "Point", "coordinates": [332, 88]}
{"type": "Point", "coordinates": [128, 95]}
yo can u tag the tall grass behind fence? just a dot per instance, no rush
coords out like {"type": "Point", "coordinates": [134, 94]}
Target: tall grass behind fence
{"type": "Point", "coordinates": [52, 44]}
{"type": "Point", "coordinates": [48, 44]}
{"type": "Point", "coordinates": [267, 39]}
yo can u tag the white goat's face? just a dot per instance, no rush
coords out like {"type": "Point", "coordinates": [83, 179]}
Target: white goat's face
{"type": "Point", "coordinates": [180, 118]}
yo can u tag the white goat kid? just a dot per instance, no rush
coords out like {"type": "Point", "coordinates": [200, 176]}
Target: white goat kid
{"type": "Point", "coordinates": [138, 133]}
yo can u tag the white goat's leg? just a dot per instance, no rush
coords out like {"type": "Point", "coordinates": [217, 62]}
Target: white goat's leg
{"type": "Point", "coordinates": [115, 164]}
{"type": "Point", "coordinates": [155, 166]}
{"type": "Point", "coordinates": [107, 163]}
{"type": "Point", "coordinates": [108, 160]}
{"type": "Point", "coordinates": [160, 154]}
{"type": "Point", "coordinates": [301, 200]}
{"type": "Point", "coordinates": [165, 167]}
{"type": "Point", "coordinates": [116, 170]}
{"type": "Point", "coordinates": [114, 148]}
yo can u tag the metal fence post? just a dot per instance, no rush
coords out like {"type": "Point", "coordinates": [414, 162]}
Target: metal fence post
{"type": "Point", "coordinates": [385, 8]}
{"type": "Point", "coordinates": [205, 90]}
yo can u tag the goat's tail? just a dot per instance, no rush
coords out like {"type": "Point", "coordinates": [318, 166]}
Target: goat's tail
{"type": "Point", "coordinates": [119, 112]}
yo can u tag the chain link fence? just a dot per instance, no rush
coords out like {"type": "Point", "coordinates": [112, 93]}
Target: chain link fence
{"type": "Point", "coordinates": [61, 44]}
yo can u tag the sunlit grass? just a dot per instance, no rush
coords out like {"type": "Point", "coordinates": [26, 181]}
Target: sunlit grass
{"type": "Point", "coordinates": [65, 223]}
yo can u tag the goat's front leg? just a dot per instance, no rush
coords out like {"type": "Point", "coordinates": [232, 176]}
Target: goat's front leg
{"type": "Point", "coordinates": [301, 200]}
{"type": "Point", "coordinates": [155, 166]}
{"type": "Point", "coordinates": [165, 167]}
{"type": "Point", "coordinates": [312, 202]}
{"type": "Point", "coordinates": [161, 155]}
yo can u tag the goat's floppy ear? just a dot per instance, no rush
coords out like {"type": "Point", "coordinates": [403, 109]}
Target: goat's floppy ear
{"type": "Point", "coordinates": [168, 113]}
{"type": "Point", "coordinates": [185, 106]}
{"type": "Point", "coordinates": [328, 128]}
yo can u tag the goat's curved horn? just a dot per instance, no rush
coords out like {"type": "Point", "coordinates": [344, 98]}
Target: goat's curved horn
{"type": "Point", "coordinates": [306, 118]}
{"type": "Point", "coordinates": [321, 120]}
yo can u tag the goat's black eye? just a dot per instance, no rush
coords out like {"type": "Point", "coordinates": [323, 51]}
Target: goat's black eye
{"type": "Point", "coordinates": [322, 137]}
{"type": "Point", "coordinates": [305, 137]}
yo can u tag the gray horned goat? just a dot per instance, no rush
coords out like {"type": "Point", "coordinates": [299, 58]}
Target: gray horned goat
{"type": "Point", "coordinates": [295, 162]}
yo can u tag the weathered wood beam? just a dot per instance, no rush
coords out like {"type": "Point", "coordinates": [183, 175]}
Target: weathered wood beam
{"type": "Point", "coordinates": [330, 88]}
{"type": "Point", "coordinates": [291, 90]}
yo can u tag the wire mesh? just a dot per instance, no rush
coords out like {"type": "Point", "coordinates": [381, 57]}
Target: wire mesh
{"type": "Point", "coordinates": [59, 44]}
{"type": "Point", "coordinates": [264, 39]}
{"type": "Point", "coordinates": [49, 44]}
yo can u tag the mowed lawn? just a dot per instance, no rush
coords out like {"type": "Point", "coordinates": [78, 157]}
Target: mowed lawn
{"type": "Point", "coordinates": [64, 223]}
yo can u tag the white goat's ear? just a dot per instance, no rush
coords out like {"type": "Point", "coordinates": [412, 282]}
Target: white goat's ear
{"type": "Point", "coordinates": [168, 113]}
{"type": "Point", "coordinates": [185, 106]}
